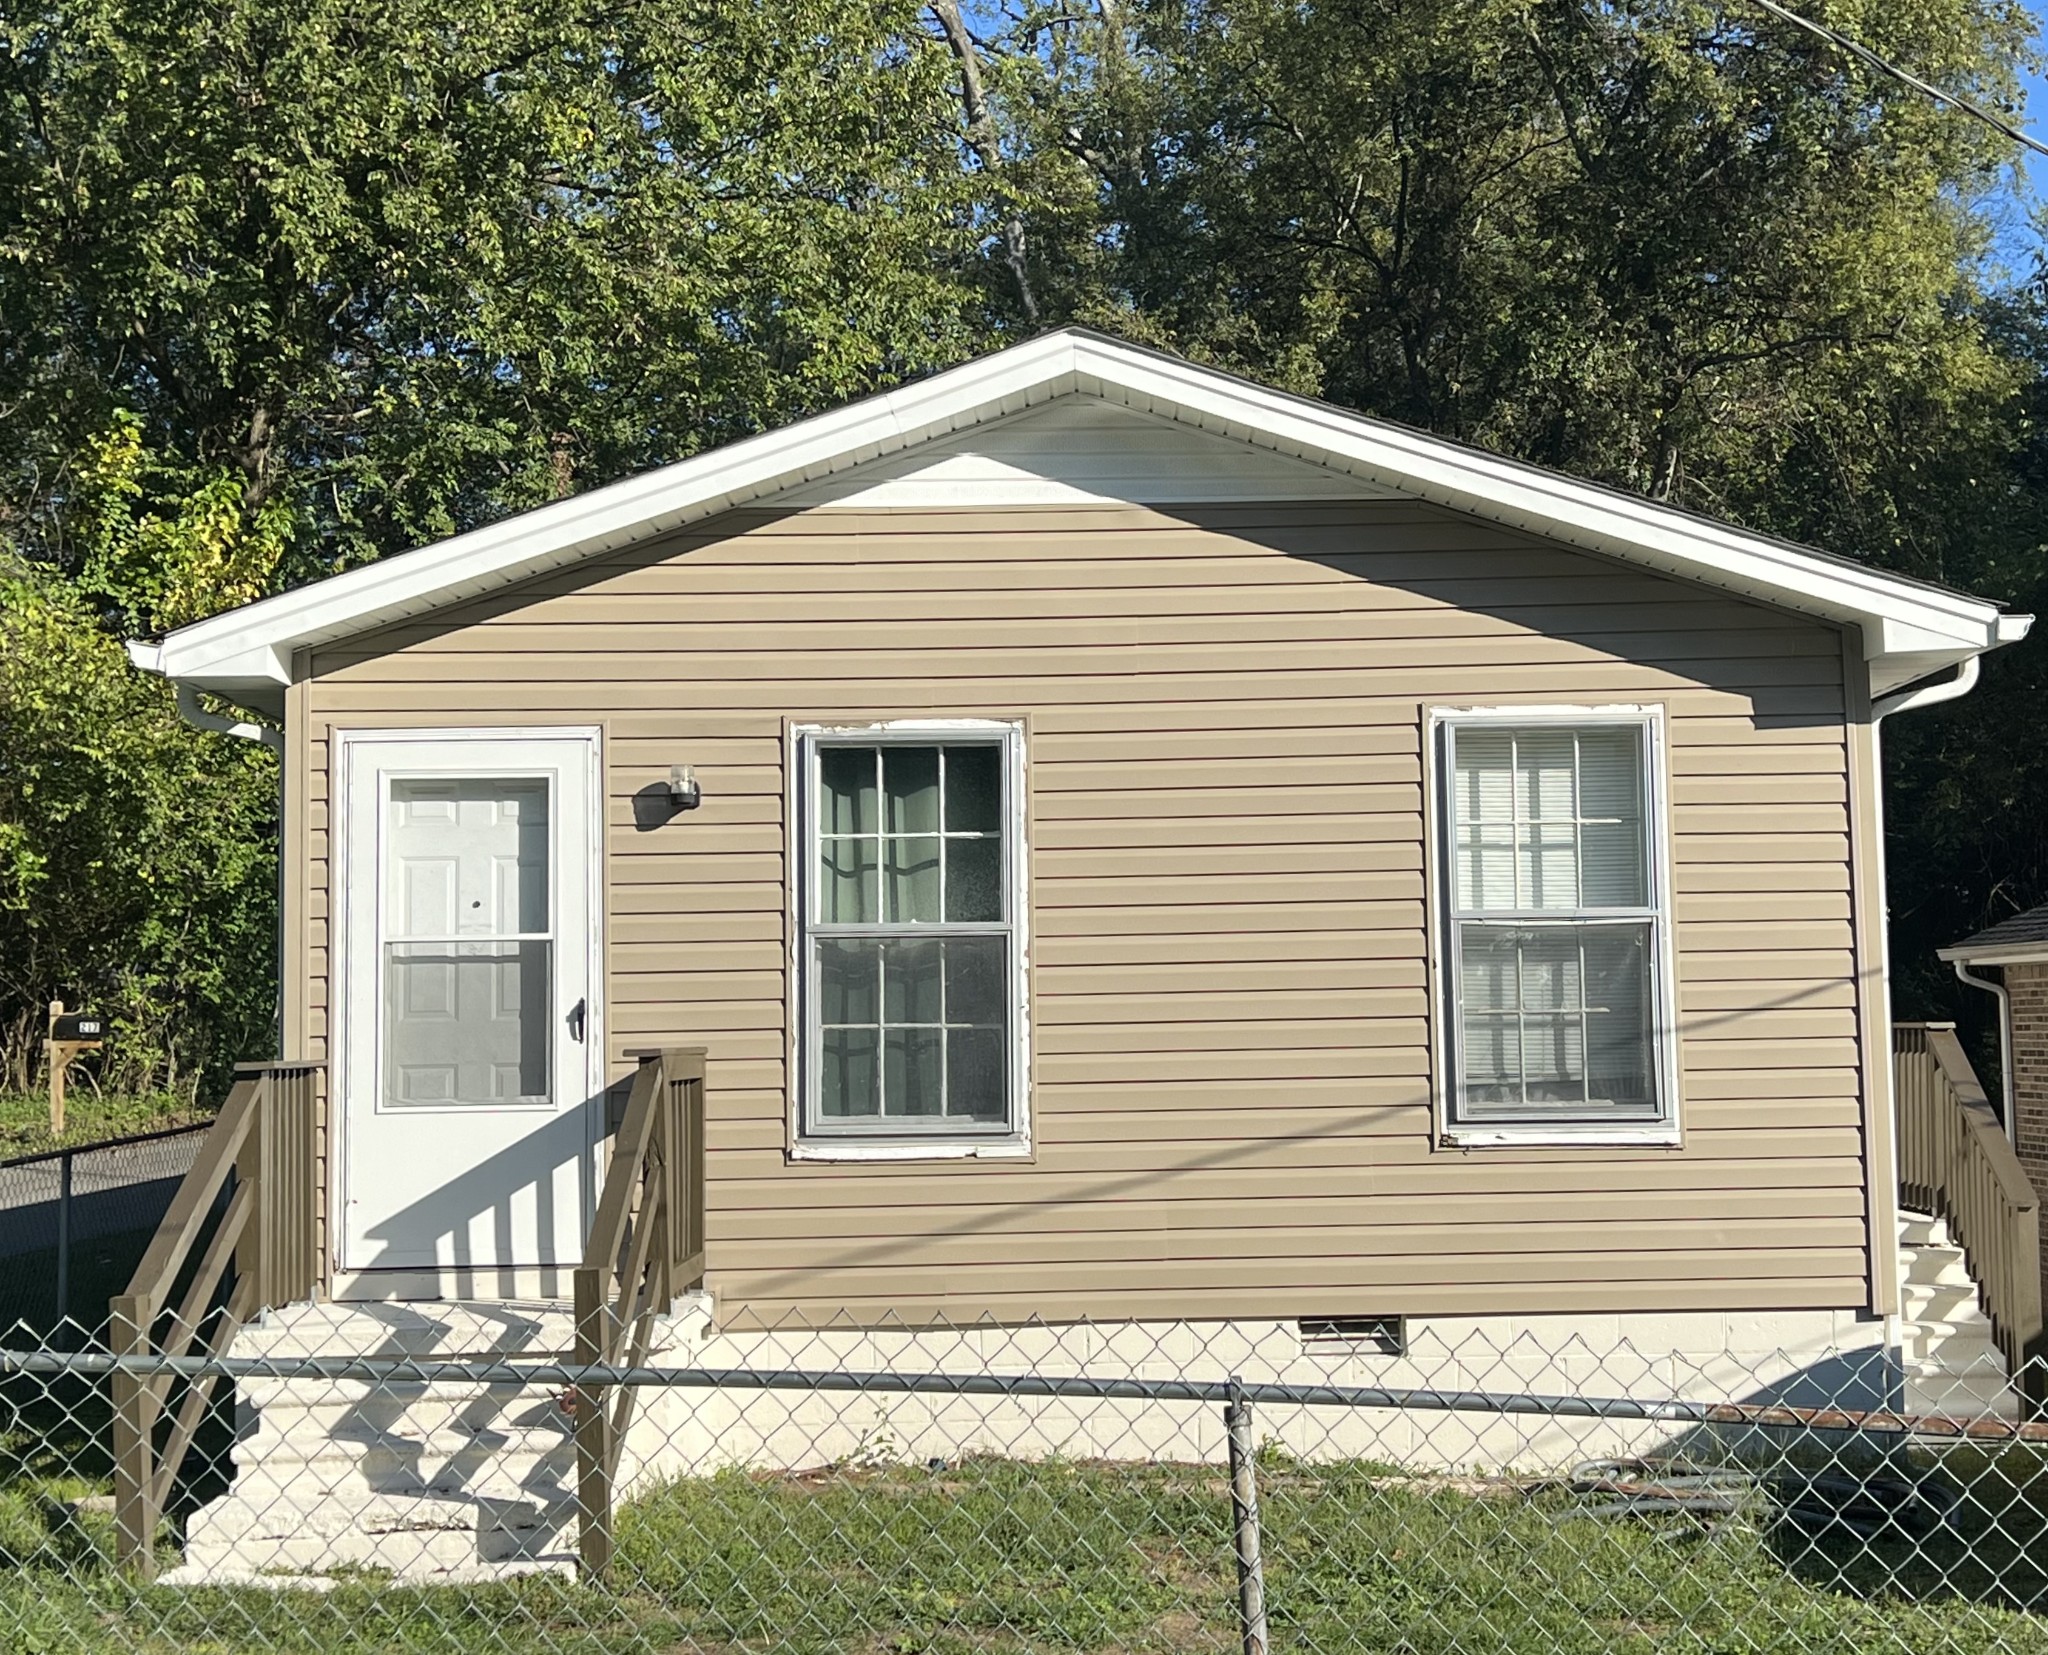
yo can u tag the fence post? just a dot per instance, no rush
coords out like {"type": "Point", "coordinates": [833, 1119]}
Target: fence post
{"type": "Point", "coordinates": [1244, 1508]}
{"type": "Point", "coordinates": [135, 1400]}
{"type": "Point", "coordinates": [63, 1328]}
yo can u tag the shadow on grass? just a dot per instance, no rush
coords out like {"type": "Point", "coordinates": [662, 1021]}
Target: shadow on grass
{"type": "Point", "coordinates": [1990, 1549]}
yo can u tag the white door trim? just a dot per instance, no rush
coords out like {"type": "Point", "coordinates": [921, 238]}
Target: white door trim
{"type": "Point", "coordinates": [342, 849]}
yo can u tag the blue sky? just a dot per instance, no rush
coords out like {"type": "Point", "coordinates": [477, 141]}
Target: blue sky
{"type": "Point", "coordinates": [2020, 240]}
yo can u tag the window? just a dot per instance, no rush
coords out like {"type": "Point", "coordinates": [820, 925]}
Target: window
{"type": "Point", "coordinates": [1553, 951]}
{"type": "Point", "coordinates": [910, 963]}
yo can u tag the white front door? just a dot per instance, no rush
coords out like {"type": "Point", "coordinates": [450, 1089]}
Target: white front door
{"type": "Point", "coordinates": [471, 1058]}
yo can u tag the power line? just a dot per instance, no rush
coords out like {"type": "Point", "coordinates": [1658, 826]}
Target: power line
{"type": "Point", "coordinates": [1885, 66]}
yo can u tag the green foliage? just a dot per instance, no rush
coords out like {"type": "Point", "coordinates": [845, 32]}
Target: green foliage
{"type": "Point", "coordinates": [290, 284]}
{"type": "Point", "coordinates": [1055, 1556]}
{"type": "Point", "coordinates": [137, 862]}
{"type": "Point", "coordinates": [91, 1115]}
{"type": "Point", "coordinates": [1673, 245]}
{"type": "Point", "coordinates": [417, 266]}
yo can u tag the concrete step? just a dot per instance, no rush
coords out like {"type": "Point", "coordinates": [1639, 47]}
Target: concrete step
{"type": "Point", "coordinates": [475, 1526]}
{"type": "Point", "coordinates": [494, 1476]}
{"type": "Point", "coordinates": [415, 1557]}
{"type": "Point", "coordinates": [304, 1443]}
{"type": "Point", "coordinates": [440, 1481]}
{"type": "Point", "coordinates": [1962, 1336]}
{"type": "Point", "coordinates": [284, 1577]}
{"type": "Point", "coordinates": [1949, 1309]}
{"type": "Point", "coordinates": [1944, 1274]}
{"type": "Point", "coordinates": [352, 1330]}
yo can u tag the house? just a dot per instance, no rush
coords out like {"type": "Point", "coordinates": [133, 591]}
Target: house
{"type": "Point", "coordinates": [1133, 846]}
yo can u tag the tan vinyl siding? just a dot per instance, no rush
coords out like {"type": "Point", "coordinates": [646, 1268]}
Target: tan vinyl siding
{"type": "Point", "coordinates": [1230, 1008]}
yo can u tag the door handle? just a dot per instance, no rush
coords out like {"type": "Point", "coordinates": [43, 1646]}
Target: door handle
{"type": "Point", "coordinates": [576, 1015]}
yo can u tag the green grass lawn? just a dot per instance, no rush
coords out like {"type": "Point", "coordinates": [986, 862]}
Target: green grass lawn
{"type": "Point", "coordinates": [1003, 1555]}
{"type": "Point", "coordinates": [90, 1117]}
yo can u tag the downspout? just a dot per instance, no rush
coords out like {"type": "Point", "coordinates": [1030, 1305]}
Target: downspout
{"type": "Point", "coordinates": [2005, 1086]}
{"type": "Point", "coordinates": [1929, 695]}
{"type": "Point", "coordinates": [1906, 700]}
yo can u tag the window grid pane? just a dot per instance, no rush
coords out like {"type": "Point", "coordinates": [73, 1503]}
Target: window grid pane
{"type": "Point", "coordinates": [905, 863]}
{"type": "Point", "coordinates": [911, 1011]}
{"type": "Point", "coordinates": [1549, 821]}
{"type": "Point", "coordinates": [1549, 850]}
{"type": "Point", "coordinates": [925, 1018]}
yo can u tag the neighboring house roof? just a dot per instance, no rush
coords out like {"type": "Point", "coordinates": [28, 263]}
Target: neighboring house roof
{"type": "Point", "coordinates": [1910, 629]}
{"type": "Point", "coordinates": [2011, 941]}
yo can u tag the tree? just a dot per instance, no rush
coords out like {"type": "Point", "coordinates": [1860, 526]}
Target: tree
{"type": "Point", "coordinates": [411, 266]}
{"type": "Point", "coordinates": [137, 856]}
{"type": "Point", "coordinates": [290, 284]}
{"type": "Point", "coordinates": [1673, 245]}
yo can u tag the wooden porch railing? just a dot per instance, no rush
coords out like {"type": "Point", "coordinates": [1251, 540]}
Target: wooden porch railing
{"type": "Point", "coordinates": [264, 1245]}
{"type": "Point", "coordinates": [646, 1248]}
{"type": "Point", "coordinates": [1956, 1163]}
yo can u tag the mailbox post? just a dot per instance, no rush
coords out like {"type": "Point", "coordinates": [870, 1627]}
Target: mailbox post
{"type": "Point", "coordinates": [70, 1033]}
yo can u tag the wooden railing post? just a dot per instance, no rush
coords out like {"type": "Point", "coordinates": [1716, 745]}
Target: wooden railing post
{"type": "Point", "coordinates": [686, 1187]}
{"type": "Point", "coordinates": [135, 1409]}
{"type": "Point", "coordinates": [593, 1428]}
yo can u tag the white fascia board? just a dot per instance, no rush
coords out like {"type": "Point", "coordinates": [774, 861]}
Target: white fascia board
{"type": "Point", "coordinates": [1891, 611]}
{"type": "Point", "coordinates": [1908, 630]}
{"type": "Point", "coordinates": [2012, 953]}
{"type": "Point", "coordinates": [256, 641]}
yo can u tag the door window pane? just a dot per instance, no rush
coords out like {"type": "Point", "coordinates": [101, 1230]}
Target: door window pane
{"type": "Point", "coordinates": [466, 964]}
{"type": "Point", "coordinates": [466, 856]}
{"type": "Point", "coordinates": [466, 1024]}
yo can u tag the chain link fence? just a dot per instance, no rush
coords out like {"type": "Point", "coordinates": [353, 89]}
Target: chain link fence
{"type": "Point", "coordinates": [406, 1477]}
{"type": "Point", "coordinates": [74, 1222]}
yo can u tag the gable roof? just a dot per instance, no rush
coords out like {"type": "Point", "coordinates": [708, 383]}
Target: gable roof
{"type": "Point", "coordinates": [2023, 937]}
{"type": "Point", "coordinates": [1910, 629]}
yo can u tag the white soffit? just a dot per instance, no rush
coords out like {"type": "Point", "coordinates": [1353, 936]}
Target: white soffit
{"type": "Point", "coordinates": [1082, 451]}
{"type": "Point", "coordinates": [1910, 629]}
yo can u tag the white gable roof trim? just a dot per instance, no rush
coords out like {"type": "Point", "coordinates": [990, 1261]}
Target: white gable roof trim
{"type": "Point", "coordinates": [1910, 629]}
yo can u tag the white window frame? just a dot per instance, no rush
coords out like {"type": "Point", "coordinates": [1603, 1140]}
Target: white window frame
{"type": "Point", "coordinates": [806, 1141]}
{"type": "Point", "coordinates": [1446, 1053]}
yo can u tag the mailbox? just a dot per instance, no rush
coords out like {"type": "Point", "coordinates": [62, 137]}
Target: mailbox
{"type": "Point", "coordinates": [78, 1026]}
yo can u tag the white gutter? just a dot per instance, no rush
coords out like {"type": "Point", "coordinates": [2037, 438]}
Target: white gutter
{"type": "Point", "coordinates": [2005, 1086]}
{"type": "Point", "coordinates": [1929, 695]}
{"type": "Point", "coordinates": [149, 657]}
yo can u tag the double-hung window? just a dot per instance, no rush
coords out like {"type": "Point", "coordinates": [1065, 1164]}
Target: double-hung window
{"type": "Point", "coordinates": [910, 948]}
{"type": "Point", "coordinates": [1555, 941]}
